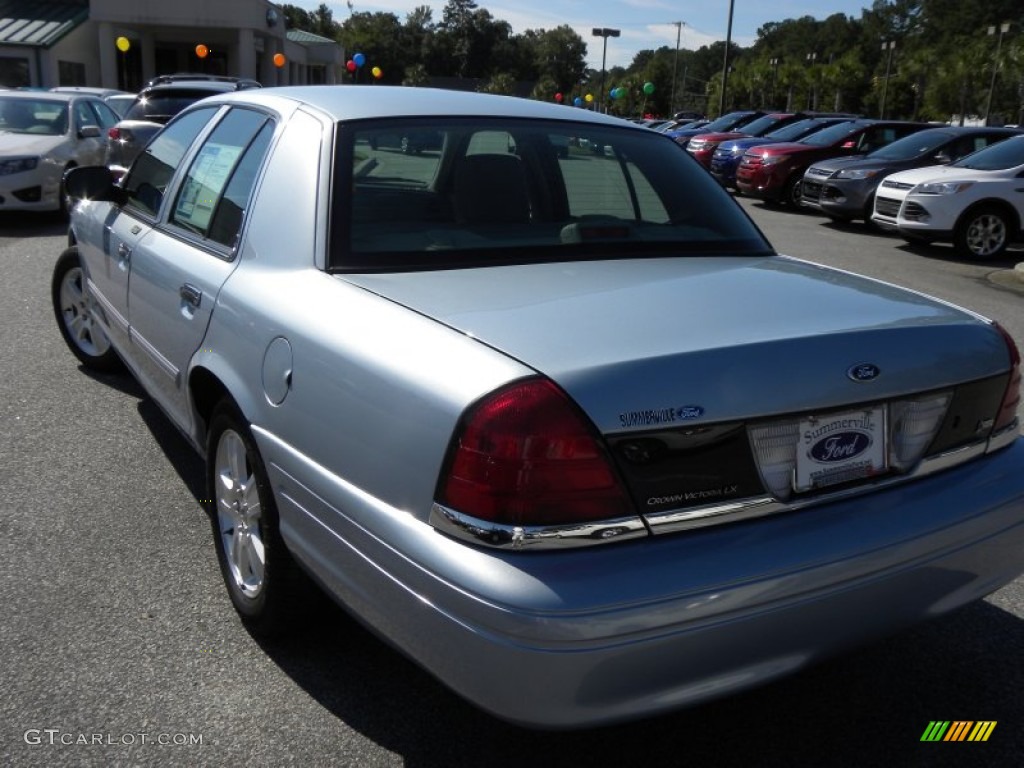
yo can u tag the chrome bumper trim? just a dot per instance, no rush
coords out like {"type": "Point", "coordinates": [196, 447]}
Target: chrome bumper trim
{"type": "Point", "coordinates": [501, 536]}
{"type": "Point", "coordinates": [1004, 437]}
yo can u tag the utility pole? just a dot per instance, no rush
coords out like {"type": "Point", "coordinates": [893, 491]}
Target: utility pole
{"type": "Point", "coordinates": [675, 68]}
{"type": "Point", "coordinates": [725, 65]}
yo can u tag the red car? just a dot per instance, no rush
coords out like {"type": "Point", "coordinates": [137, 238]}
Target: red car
{"type": "Point", "coordinates": [774, 172]}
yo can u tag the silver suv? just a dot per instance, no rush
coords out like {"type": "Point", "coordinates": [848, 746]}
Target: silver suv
{"type": "Point", "coordinates": [161, 99]}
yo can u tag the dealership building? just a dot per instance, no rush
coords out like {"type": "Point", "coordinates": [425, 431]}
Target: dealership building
{"type": "Point", "coordinates": [123, 43]}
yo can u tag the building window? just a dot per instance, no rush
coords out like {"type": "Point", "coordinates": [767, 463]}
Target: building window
{"type": "Point", "coordinates": [70, 73]}
{"type": "Point", "coordinates": [14, 72]}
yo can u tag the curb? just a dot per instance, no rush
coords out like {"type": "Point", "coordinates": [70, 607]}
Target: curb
{"type": "Point", "coordinates": [1011, 279]}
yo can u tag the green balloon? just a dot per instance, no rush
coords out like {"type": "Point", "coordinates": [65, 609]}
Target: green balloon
{"type": "Point", "coordinates": [648, 88]}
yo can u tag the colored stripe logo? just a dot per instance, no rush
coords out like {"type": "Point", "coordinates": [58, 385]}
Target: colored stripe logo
{"type": "Point", "coordinates": [959, 730]}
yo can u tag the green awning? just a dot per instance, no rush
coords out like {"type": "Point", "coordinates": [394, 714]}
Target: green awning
{"type": "Point", "coordinates": [38, 22]}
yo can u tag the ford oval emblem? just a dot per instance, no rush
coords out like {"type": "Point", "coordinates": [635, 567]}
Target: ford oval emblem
{"type": "Point", "coordinates": [841, 446]}
{"type": "Point", "coordinates": [864, 372]}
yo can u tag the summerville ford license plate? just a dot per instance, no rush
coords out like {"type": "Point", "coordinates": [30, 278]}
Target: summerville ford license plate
{"type": "Point", "coordinates": [840, 447]}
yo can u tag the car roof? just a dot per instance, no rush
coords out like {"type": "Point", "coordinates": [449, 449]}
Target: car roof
{"type": "Point", "coordinates": [177, 83]}
{"type": "Point", "coordinates": [344, 102]}
{"type": "Point", "coordinates": [47, 95]}
{"type": "Point", "coordinates": [86, 90]}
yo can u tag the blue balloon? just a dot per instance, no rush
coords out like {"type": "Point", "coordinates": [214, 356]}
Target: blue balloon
{"type": "Point", "coordinates": [614, 93]}
{"type": "Point", "coordinates": [577, 102]}
{"type": "Point", "coordinates": [359, 59]}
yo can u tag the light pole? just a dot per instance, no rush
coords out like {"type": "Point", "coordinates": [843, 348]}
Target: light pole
{"type": "Point", "coordinates": [605, 33]}
{"type": "Point", "coordinates": [812, 96]}
{"type": "Point", "coordinates": [889, 45]}
{"type": "Point", "coordinates": [774, 64]}
{"type": "Point", "coordinates": [675, 68]}
{"type": "Point", "coordinates": [1003, 29]}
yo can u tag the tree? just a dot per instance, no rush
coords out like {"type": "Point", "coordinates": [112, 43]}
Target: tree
{"type": "Point", "coordinates": [379, 37]}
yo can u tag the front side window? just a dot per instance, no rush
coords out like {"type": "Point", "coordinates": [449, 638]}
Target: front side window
{"type": "Point", "coordinates": [483, 192]}
{"type": "Point", "coordinates": [149, 176]}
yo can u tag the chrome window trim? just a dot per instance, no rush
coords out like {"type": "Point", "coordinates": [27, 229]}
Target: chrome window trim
{"type": "Point", "coordinates": [500, 536]}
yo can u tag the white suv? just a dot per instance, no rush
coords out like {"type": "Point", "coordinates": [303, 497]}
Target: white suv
{"type": "Point", "coordinates": [977, 203]}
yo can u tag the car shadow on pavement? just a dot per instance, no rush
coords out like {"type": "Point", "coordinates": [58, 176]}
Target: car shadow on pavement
{"type": "Point", "coordinates": [182, 457]}
{"type": "Point", "coordinates": [858, 228]}
{"type": "Point", "coordinates": [866, 708]}
{"type": "Point", "coordinates": [946, 252]}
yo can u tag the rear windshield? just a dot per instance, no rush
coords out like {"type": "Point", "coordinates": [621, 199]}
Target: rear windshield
{"type": "Point", "coordinates": [474, 192]}
{"type": "Point", "coordinates": [159, 107]}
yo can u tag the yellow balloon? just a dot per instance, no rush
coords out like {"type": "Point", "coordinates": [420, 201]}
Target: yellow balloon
{"type": "Point", "coordinates": [589, 97]}
{"type": "Point", "coordinates": [123, 44]}
{"type": "Point", "coordinates": [377, 72]}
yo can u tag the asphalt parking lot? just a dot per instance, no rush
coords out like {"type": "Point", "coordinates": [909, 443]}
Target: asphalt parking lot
{"type": "Point", "coordinates": [119, 647]}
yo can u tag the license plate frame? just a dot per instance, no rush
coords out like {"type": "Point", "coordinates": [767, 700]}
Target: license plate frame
{"type": "Point", "coordinates": [841, 447]}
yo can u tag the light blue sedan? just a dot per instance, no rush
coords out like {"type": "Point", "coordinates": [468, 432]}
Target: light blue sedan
{"type": "Point", "coordinates": [565, 430]}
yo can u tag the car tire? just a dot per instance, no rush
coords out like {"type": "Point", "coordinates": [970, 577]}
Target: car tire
{"type": "Point", "coordinates": [792, 193]}
{"type": "Point", "coordinates": [983, 233]}
{"type": "Point", "coordinates": [73, 309]}
{"type": "Point", "coordinates": [261, 577]}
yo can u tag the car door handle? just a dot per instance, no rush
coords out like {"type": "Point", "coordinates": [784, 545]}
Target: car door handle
{"type": "Point", "coordinates": [190, 295]}
{"type": "Point", "coordinates": [124, 253]}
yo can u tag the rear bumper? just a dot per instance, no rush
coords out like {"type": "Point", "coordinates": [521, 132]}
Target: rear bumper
{"type": "Point", "coordinates": [581, 637]}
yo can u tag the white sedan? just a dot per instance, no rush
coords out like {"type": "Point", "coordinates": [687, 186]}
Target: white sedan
{"type": "Point", "coordinates": [976, 203]}
{"type": "Point", "coordinates": [41, 136]}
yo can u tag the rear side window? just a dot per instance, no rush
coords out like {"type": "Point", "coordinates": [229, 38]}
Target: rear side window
{"type": "Point", "coordinates": [217, 187]}
{"type": "Point", "coordinates": [147, 181]}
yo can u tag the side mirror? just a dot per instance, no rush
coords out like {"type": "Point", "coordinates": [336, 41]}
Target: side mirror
{"type": "Point", "coordinates": [89, 132]}
{"type": "Point", "coordinates": [92, 182]}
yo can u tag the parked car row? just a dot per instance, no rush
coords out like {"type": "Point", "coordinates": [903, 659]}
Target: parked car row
{"type": "Point", "coordinates": [843, 188]}
{"type": "Point", "coordinates": [703, 145]}
{"type": "Point", "coordinates": [976, 203]}
{"type": "Point", "coordinates": [928, 183]}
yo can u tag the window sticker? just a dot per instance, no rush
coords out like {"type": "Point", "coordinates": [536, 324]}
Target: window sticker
{"type": "Point", "coordinates": [205, 183]}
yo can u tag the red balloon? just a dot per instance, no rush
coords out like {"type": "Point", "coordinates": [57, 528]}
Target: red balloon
{"type": "Point", "coordinates": [559, 97]}
{"type": "Point", "coordinates": [350, 65]}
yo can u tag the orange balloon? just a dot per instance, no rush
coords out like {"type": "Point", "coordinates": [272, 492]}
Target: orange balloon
{"type": "Point", "coordinates": [279, 59]}
{"type": "Point", "coordinates": [202, 51]}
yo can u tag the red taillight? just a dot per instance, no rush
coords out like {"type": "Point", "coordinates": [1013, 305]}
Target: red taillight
{"type": "Point", "coordinates": [1008, 409]}
{"type": "Point", "coordinates": [525, 456]}
{"type": "Point", "coordinates": [114, 133]}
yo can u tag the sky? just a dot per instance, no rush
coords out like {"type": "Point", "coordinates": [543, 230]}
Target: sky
{"type": "Point", "coordinates": [644, 24]}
